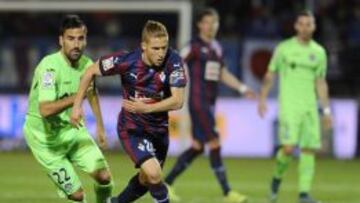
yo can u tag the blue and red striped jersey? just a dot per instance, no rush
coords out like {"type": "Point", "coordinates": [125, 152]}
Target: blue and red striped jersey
{"type": "Point", "coordinates": [149, 84]}
{"type": "Point", "coordinates": [204, 61]}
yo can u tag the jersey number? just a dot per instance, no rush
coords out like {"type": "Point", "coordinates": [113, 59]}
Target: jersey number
{"type": "Point", "coordinates": [61, 176]}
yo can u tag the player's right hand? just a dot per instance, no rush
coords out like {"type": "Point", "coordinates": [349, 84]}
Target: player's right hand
{"type": "Point", "coordinates": [262, 108]}
{"type": "Point", "coordinates": [76, 116]}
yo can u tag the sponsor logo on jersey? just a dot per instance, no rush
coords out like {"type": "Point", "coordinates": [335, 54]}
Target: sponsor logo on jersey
{"type": "Point", "coordinates": [212, 71]}
{"type": "Point", "coordinates": [148, 97]}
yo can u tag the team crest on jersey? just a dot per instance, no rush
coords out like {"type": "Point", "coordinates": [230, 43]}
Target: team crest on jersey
{"type": "Point", "coordinates": [108, 63]}
{"type": "Point", "coordinates": [162, 76]}
{"type": "Point", "coordinates": [48, 79]}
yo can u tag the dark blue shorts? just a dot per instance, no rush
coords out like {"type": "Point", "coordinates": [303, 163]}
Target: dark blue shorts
{"type": "Point", "coordinates": [141, 146]}
{"type": "Point", "coordinates": [203, 126]}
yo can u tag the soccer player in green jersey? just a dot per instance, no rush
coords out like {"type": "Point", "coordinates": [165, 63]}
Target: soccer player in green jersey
{"type": "Point", "coordinates": [54, 142]}
{"type": "Point", "coordinates": [301, 64]}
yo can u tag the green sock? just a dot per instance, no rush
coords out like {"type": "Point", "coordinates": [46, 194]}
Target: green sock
{"type": "Point", "coordinates": [282, 163]}
{"type": "Point", "coordinates": [306, 171]}
{"type": "Point", "coordinates": [102, 192]}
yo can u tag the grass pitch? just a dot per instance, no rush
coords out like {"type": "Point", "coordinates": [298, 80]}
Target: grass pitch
{"type": "Point", "coordinates": [23, 180]}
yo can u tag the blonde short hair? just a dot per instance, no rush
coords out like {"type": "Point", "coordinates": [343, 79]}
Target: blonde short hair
{"type": "Point", "coordinates": [153, 29]}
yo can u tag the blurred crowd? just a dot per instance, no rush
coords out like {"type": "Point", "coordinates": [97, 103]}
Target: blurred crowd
{"type": "Point", "coordinates": [25, 37]}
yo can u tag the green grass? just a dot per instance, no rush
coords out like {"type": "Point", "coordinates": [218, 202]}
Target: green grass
{"type": "Point", "coordinates": [23, 180]}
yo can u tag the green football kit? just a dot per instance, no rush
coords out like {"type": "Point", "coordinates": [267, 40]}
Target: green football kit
{"type": "Point", "coordinates": [298, 66]}
{"type": "Point", "coordinates": [55, 143]}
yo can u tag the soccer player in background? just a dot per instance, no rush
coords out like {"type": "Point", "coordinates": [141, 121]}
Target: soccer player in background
{"type": "Point", "coordinates": [301, 65]}
{"type": "Point", "coordinates": [153, 81]}
{"type": "Point", "coordinates": [205, 62]}
{"type": "Point", "coordinates": [54, 142]}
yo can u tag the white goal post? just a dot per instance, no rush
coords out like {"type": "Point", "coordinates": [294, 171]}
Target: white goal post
{"type": "Point", "coordinates": [182, 8]}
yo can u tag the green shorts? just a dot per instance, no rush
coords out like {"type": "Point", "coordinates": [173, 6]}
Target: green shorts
{"type": "Point", "coordinates": [71, 147]}
{"type": "Point", "coordinates": [300, 128]}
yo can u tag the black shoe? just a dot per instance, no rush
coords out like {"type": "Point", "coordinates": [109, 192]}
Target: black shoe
{"type": "Point", "coordinates": [308, 199]}
{"type": "Point", "coordinates": [112, 200]}
{"type": "Point", "coordinates": [275, 185]}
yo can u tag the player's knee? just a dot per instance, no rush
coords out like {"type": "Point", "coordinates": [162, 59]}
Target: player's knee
{"type": "Point", "coordinates": [197, 146]}
{"type": "Point", "coordinates": [197, 151]}
{"type": "Point", "coordinates": [214, 144]}
{"type": "Point", "coordinates": [77, 196]}
{"type": "Point", "coordinates": [103, 177]}
{"type": "Point", "coordinates": [153, 177]}
{"type": "Point", "coordinates": [288, 150]}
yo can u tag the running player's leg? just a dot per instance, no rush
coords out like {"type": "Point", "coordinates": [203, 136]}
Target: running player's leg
{"type": "Point", "coordinates": [219, 169]}
{"type": "Point", "coordinates": [59, 169]}
{"type": "Point", "coordinates": [152, 169]}
{"type": "Point", "coordinates": [208, 132]}
{"type": "Point", "coordinates": [310, 141]}
{"type": "Point", "coordinates": [187, 157]}
{"type": "Point", "coordinates": [217, 165]}
{"type": "Point", "coordinates": [139, 150]}
{"type": "Point", "coordinates": [87, 155]}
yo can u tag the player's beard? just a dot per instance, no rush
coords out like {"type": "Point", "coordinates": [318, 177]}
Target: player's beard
{"type": "Point", "coordinates": [74, 55]}
{"type": "Point", "coordinates": [306, 36]}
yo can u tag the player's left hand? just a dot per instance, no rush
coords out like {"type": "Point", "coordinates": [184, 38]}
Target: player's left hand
{"type": "Point", "coordinates": [76, 116]}
{"type": "Point", "coordinates": [250, 94]}
{"type": "Point", "coordinates": [327, 122]}
{"type": "Point", "coordinates": [135, 106]}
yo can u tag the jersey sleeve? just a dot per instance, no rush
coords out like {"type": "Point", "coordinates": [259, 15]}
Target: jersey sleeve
{"type": "Point", "coordinates": [322, 67]}
{"type": "Point", "coordinates": [275, 60]}
{"type": "Point", "coordinates": [113, 64]}
{"type": "Point", "coordinates": [177, 76]}
{"type": "Point", "coordinates": [47, 83]}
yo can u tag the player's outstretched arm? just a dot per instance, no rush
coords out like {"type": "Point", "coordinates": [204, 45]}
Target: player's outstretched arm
{"type": "Point", "coordinates": [174, 102]}
{"type": "Point", "coordinates": [91, 72]}
{"type": "Point", "coordinates": [323, 96]}
{"type": "Point", "coordinates": [93, 99]}
{"type": "Point", "coordinates": [264, 92]}
{"type": "Point", "coordinates": [231, 81]}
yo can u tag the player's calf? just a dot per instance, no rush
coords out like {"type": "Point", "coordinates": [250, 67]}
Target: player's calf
{"type": "Point", "coordinates": [103, 185]}
{"type": "Point", "coordinates": [157, 188]}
